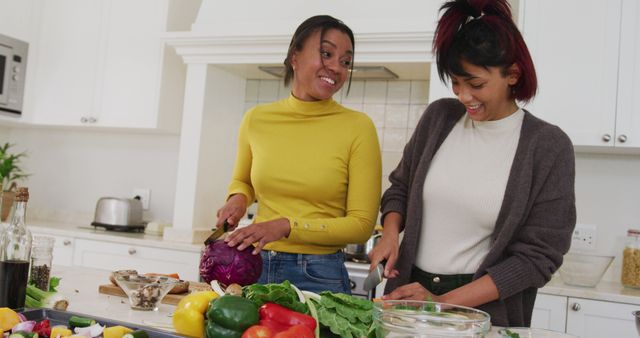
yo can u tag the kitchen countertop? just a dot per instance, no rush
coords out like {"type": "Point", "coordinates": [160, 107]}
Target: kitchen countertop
{"type": "Point", "coordinates": [605, 291]}
{"type": "Point", "coordinates": [80, 285]}
{"type": "Point", "coordinates": [87, 231]}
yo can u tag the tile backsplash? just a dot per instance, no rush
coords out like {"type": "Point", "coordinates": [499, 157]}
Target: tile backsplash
{"type": "Point", "coordinates": [394, 107]}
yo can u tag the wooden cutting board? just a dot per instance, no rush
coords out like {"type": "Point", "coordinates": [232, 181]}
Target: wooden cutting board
{"type": "Point", "coordinates": [172, 299]}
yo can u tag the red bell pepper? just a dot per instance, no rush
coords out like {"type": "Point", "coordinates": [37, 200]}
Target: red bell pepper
{"type": "Point", "coordinates": [282, 315]}
{"type": "Point", "coordinates": [296, 331]}
{"type": "Point", "coordinates": [42, 328]}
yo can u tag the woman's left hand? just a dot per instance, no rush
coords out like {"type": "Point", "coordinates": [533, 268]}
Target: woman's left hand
{"type": "Point", "coordinates": [260, 233]}
{"type": "Point", "coordinates": [413, 291]}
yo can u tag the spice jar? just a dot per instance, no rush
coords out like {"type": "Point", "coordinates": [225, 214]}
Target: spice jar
{"type": "Point", "coordinates": [631, 260]}
{"type": "Point", "coordinates": [41, 257]}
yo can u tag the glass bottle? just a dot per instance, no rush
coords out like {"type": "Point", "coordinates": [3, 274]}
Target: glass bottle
{"type": "Point", "coordinates": [41, 257]}
{"type": "Point", "coordinates": [15, 254]}
{"type": "Point", "coordinates": [631, 260]}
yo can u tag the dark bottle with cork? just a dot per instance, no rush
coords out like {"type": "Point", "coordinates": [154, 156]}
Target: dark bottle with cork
{"type": "Point", "coordinates": [15, 255]}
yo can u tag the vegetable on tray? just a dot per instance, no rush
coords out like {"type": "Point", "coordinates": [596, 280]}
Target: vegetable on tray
{"type": "Point", "coordinates": [229, 316]}
{"type": "Point", "coordinates": [37, 298]}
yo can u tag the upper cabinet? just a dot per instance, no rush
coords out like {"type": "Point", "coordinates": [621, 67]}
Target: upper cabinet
{"type": "Point", "coordinates": [585, 54]}
{"type": "Point", "coordinates": [103, 63]}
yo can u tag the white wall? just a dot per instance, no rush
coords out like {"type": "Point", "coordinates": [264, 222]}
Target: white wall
{"type": "Point", "coordinates": [246, 17]}
{"type": "Point", "coordinates": [608, 196]}
{"type": "Point", "coordinates": [72, 168]}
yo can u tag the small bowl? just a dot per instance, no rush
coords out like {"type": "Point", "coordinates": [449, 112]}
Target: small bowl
{"type": "Point", "coordinates": [405, 318]}
{"type": "Point", "coordinates": [145, 292]}
{"type": "Point", "coordinates": [584, 270]}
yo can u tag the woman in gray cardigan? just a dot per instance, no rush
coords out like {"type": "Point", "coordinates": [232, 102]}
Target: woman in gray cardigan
{"type": "Point", "coordinates": [484, 191]}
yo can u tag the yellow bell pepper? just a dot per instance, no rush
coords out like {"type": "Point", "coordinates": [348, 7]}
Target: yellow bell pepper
{"type": "Point", "coordinates": [8, 319]}
{"type": "Point", "coordinates": [188, 319]}
{"type": "Point", "coordinates": [115, 331]}
{"type": "Point", "coordinates": [60, 331]}
{"type": "Point", "coordinates": [189, 322]}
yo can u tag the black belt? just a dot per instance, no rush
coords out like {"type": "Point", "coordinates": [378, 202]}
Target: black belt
{"type": "Point", "coordinates": [439, 284]}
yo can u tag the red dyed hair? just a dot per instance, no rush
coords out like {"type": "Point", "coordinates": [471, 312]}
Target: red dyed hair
{"type": "Point", "coordinates": [483, 33]}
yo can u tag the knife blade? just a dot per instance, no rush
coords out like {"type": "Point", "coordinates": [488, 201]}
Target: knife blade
{"type": "Point", "coordinates": [374, 277]}
{"type": "Point", "coordinates": [217, 233]}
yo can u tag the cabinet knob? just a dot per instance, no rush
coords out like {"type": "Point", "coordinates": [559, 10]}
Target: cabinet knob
{"type": "Point", "coordinates": [93, 120]}
{"type": "Point", "coordinates": [606, 137]}
{"type": "Point", "coordinates": [132, 251]}
{"type": "Point", "coordinates": [66, 242]}
{"type": "Point", "coordinates": [622, 138]}
{"type": "Point", "coordinates": [84, 119]}
{"type": "Point", "coordinates": [576, 307]}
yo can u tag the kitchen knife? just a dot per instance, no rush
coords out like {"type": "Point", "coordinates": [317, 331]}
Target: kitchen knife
{"type": "Point", "coordinates": [217, 233]}
{"type": "Point", "coordinates": [374, 277]}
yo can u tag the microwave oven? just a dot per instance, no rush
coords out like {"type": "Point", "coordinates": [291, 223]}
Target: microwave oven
{"type": "Point", "coordinates": [13, 67]}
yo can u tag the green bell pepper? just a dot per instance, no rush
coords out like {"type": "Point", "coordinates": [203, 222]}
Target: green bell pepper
{"type": "Point", "coordinates": [213, 330]}
{"type": "Point", "coordinates": [231, 313]}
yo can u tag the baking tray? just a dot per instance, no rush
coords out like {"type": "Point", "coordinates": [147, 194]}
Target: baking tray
{"type": "Point", "coordinates": [56, 317]}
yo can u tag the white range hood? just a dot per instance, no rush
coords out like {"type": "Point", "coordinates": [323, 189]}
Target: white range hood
{"type": "Point", "coordinates": [226, 46]}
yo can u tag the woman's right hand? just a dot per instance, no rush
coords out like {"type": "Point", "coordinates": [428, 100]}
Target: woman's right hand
{"type": "Point", "coordinates": [232, 211]}
{"type": "Point", "coordinates": [386, 248]}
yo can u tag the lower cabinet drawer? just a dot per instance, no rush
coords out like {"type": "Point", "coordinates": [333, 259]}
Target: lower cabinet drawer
{"type": "Point", "coordinates": [117, 256]}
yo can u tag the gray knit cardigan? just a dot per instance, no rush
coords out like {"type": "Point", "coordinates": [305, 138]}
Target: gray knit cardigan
{"type": "Point", "coordinates": [535, 222]}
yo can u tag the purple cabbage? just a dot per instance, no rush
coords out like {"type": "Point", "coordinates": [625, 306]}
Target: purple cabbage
{"type": "Point", "coordinates": [229, 265]}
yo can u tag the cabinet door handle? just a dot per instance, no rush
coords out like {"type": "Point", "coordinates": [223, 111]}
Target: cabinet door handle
{"type": "Point", "coordinates": [622, 138]}
{"type": "Point", "coordinates": [66, 242]}
{"type": "Point", "coordinates": [576, 307]}
{"type": "Point", "coordinates": [606, 138]}
{"type": "Point", "coordinates": [132, 251]}
{"type": "Point", "coordinates": [93, 120]}
{"type": "Point", "coordinates": [84, 119]}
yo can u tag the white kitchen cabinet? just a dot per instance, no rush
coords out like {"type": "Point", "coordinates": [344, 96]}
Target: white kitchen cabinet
{"type": "Point", "coordinates": [549, 312]}
{"type": "Point", "coordinates": [16, 18]}
{"type": "Point", "coordinates": [118, 256]}
{"type": "Point", "coordinates": [585, 318]}
{"type": "Point", "coordinates": [586, 67]}
{"type": "Point", "coordinates": [102, 63]}
{"type": "Point", "coordinates": [596, 319]}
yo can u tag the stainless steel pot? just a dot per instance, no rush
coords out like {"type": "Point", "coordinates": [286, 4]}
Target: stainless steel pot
{"type": "Point", "coordinates": [360, 252]}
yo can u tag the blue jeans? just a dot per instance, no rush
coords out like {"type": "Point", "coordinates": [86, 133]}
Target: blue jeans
{"type": "Point", "coordinates": [314, 273]}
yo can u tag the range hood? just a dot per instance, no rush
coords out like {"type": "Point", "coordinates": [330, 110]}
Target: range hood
{"type": "Point", "coordinates": [357, 73]}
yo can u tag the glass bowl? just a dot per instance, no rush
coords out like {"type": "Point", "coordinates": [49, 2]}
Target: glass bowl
{"type": "Point", "coordinates": [145, 292]}
{"type": "Point", "coordinates": [404, 318]}
{"type": "Point", "coordinates": [583, 269]}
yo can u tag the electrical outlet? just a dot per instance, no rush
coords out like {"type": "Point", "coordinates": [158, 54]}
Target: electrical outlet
{"type": "Point", "coordinates": [145, 195]}
{"type": "Point", "coordinates": [584, 237]}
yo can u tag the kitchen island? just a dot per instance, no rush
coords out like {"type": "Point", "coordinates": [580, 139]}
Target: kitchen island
{"type": "Point", "coordinates": [80, 285]}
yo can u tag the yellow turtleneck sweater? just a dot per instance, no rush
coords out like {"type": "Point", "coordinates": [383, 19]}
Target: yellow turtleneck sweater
{"type": "Point", "coordinates": [316, 164]}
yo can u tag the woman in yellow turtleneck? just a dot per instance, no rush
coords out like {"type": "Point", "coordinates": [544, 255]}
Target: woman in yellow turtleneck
{"type": "Point", "coordinates": [312, 165]}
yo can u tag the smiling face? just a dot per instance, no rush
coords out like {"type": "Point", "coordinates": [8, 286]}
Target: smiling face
{"type": "Point", "coordinates": [321, 68]}
{"type": "Point", "coordinates": [486, 92]}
